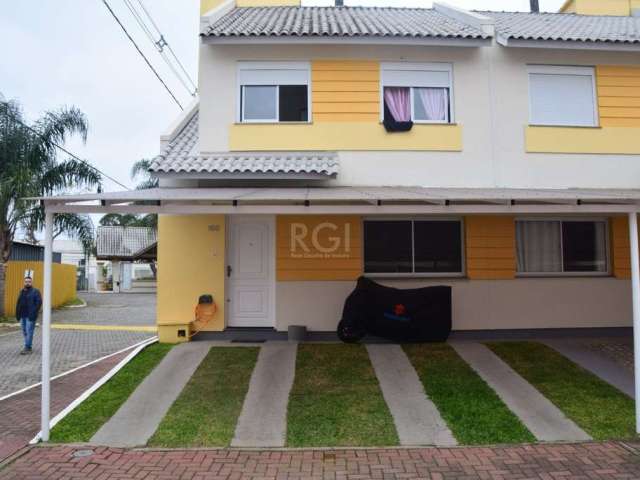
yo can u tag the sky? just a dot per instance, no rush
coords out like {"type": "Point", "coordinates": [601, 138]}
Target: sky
{"type": "Point", "coordinates": [72, 52]}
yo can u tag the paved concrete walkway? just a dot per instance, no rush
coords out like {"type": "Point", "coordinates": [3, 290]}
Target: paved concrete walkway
{"type": "Point", "coordinates": [543, 419]}
{"type": "Point", "coordinates": [139, 417]}
{"type": "Point", "coordinates": [263, 419]}
{"type": "Point", "coordinates": [416, 418]}
{"type": "Point", "coordinates": [593, 461]}
{"type": "Point", "coordinates": [601, 366]}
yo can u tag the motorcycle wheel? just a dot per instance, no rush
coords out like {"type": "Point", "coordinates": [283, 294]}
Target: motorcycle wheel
{"type": "Point", "coordinates": [349, 333]}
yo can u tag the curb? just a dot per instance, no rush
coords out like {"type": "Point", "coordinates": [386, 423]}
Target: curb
{"type": "Point", "coordinates": [87, 393]}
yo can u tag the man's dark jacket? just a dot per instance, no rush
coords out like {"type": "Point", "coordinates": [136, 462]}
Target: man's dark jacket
{"type": "Point", "coordinates": [29, 303]}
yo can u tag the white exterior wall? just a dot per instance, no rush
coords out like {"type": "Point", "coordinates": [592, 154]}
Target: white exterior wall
{"type": "Point", "coordinates": [491, 104]}
{"type": "Point", "coordinates": [477, 304]}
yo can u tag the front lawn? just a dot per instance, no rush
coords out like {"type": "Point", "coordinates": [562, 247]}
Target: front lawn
{"type": "Point", "coordinates": [83, 422]}
{"type": "Point", "coordinates": [598, 408]}
{"type": "Point", "coordinates": [207, 410]}
{"type": "Point", "coordinates": [474, 412]}
{"type": "Point", "coordinates": [336, 400]}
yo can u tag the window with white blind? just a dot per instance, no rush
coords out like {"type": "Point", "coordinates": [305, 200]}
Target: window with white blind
{"type": "Point", "coordinates": [417, 92]}
{"type": "Point", "coordinates": [272, 92]}
{"type": "Point", "coordinates": [561, 247]}
{"type": "Point", "coordinates": [562, 96]}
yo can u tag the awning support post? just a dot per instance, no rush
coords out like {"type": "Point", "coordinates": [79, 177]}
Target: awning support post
{"type": "Point", "coordinates": [635, 294]}
{"type": "Point", "coordinates": [46, 327]}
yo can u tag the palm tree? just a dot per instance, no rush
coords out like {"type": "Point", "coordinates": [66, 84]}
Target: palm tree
{"type": "Point", "coordinates": [29, 167]}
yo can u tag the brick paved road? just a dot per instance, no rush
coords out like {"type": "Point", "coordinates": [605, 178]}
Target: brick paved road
{"type": "Point", "coordinates": [593, 461]}
{"type": "Point", "coordinates": [72, 348]}
{"type": "Point", "coordinates": [111, 309]}
{"type": "Point", "coordinates": [20, 414]}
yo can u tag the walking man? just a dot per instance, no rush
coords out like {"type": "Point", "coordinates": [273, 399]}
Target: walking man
{"type": "Point", "coordinates": [27, 308]}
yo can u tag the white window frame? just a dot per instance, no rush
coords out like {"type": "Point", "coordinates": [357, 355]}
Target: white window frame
{"type": "Point", "coordinates": [607, 247]}
{"type": "Point", "coordinates": [463, 263]}
{"type": "Point", "coordinates": [407, 83]}
{"type": "Point", "coordinates": [288, 73]}
{"type": "Point", "coordinates": [582, 71]}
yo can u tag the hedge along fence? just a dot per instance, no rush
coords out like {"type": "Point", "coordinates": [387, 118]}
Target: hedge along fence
{"type": "Point", "coordinates": [63, 276]}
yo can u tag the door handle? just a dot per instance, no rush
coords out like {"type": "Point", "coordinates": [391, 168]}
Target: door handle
{"type": "Point", "coordinates": [229, 270]}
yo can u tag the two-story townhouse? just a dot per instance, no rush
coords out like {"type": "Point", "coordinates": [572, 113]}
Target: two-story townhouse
{"type": "Point", "coordinates": [496, 153]}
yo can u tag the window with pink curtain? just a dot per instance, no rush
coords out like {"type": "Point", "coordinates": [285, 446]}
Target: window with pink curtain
{"type": "Point", "coordinates": [431, 104]}
{"type": "Point", "coordinates": [398, 101]}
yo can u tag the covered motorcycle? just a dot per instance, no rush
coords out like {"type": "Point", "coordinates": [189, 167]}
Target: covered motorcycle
{"type": "Point", "coordinates": [401, 315]}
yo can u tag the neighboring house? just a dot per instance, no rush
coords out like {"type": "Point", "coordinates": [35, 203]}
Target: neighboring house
{"type": "Point", "coordinates": [72, 253]}
{"type": "Point", "coordinates": [125, 248]}
{"type": "Point", "coordinates": [493, 152]}
{"type": "Point", "coordinates": [25, 252]}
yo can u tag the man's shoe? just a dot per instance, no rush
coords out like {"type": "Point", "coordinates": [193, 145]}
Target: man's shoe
{"type": "Point", "coordinates": [25, 351]}
{"type": "Point", "coordinates": [29, 351]}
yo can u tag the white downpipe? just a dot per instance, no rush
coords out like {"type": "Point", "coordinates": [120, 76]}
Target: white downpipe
{"type": "Point", "coordinates": [46, 327]}
{"type": "Point", "coordinates": [635, 294]}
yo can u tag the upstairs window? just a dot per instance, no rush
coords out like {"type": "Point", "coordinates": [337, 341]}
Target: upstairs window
{"type": "Point", "coordinates": [561, 246]}
{"type": "Point", "coordinates": [562, 96]}
{"type": "Point", "coordinates": [417, 92]}
{"type": "Point", "coordinates": [273, 92]}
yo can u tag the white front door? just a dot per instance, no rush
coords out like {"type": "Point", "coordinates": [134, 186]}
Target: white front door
{"type": "Point", "coordinates": [251, 271]}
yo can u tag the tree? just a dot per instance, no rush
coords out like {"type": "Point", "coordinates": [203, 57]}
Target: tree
{"type": "Point", "coordinates": [29, 167]}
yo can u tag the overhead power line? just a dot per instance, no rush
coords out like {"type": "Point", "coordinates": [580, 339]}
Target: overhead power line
{"type": "Point", "coordinates": [60, 147]}
{"type": "Point", "coordinates": [115, 17]}
{"type": "Point", "coordinates": [161, 44]}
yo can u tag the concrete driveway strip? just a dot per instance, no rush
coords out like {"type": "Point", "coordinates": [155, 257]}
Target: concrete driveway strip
{"type": "Point", "coordinates": [417, 420]}
{"type": "Point", "coordinates": [543, 419]}
{"type": "Point", "coordinates": [263, 419]}
{"type": "Point", "coordinates": [138, 418]}
{"type": "Point", "coordinates": [602, 367]}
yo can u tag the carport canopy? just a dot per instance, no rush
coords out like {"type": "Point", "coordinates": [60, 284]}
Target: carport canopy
{"type": "Point", "coordinates": [362, 200]}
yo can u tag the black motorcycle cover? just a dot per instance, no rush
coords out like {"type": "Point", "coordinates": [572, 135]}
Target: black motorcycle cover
{"type": "Point", "coordinates": [412, 315]}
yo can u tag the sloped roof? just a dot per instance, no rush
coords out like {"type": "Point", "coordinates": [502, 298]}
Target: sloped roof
{"type": "Point", "coordinates": [124, 242]}
{"type": "Point", "coordinates": [341, 22]}
{"type": "Point", "coordinates": [181, 156]}
{"type": "Point", "coordinates": [566, 27]}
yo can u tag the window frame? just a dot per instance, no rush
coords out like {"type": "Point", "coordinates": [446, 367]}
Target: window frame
{"type": "Point", "coordinates": [463, 263]}
{"type": "Point", "coordinates": [269, 66]}
{"type": "Point", "coordinates": [607, 248]}
{"type": "Point", "coordinates": [581, 71]}
{"type": "Point", "coordinates": [417, 67]}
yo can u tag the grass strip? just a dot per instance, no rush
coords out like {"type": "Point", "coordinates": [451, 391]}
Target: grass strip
{"type": "Point", "coordinates": [598, 408]}
{"type": "Point", "coordinates": [83, 422]}
{"type": "Point", "coordinates": [336, 400]}
{"type": "Point", "coordinates": [206, 412]}
{"type": "Point", "coordinates": [474, 412]}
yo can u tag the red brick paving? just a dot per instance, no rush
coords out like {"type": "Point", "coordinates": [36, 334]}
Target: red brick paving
{"type": "Point", "coordinates": [589, 461]}
{"type": "Point", "coordinates": [20, 415]}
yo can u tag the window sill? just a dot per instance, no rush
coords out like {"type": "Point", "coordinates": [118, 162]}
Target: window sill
{"type": "Point", "coordinates": [565, 275]}
{"type": "Point", "coordinates": [273, 123]}
{"type": "Point", "coordinates": [412, 276]}
{"type": "Point", "coordinates": [542, 125]}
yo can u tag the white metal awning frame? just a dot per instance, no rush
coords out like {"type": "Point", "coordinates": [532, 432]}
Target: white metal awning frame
{"type": "Point", "coordinates": [341, 200]}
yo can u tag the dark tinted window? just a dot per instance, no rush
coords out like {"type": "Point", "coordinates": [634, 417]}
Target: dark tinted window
{"type": "Point", "coordinates": [387, 247]}
{"type": "Point", "coordinates": [437, 247]}
{"type": "Point", "coordinates": [293, 103]}
{"type": "Point", "coordinates": [583, 246]}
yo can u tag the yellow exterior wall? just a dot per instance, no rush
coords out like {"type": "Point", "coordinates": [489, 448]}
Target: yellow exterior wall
{"type": "Point", "coordinates": [599, 7]}
{"type": "Point", "coordinates": [618, 95]}
{"type": "Point", "coordinates": [490, 243]}
{"type": "Point", "coordinates": [605, 140]}
{"type": "Point", "coordinates": [343, 136]}
{"type": "Point", "coordinates": [191, 262]}
{"type": "Point", "coordinates": [345, 91]}
{"type": "Point", "coordinates": [63, 282]}
{"type": "Point", "coordinates": [620, 248]}
{"type": "Point", "coordinates": [312, 247]}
